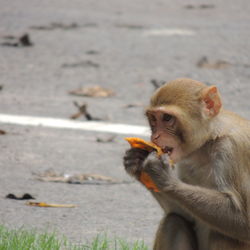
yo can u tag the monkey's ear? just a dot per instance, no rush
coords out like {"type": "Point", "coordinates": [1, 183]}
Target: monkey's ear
{"type": "Point", "coordinates": [211, 98]}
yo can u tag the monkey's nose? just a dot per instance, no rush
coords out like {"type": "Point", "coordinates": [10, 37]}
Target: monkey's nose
{"type": "Point", "coordinates": [154, 138]}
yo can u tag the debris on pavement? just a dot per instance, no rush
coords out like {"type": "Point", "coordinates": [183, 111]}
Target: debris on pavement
{"type": "Point", "coordinates": [90, 25]}
{"type": "Point", "coordinates": [93, 91]}
{"type": "Point", "coordinates": [63, 26]}
{"type": "Point", "coordinates": [3, 132]}
{"type": "Point", "coordinates": [133, 105]}
{"type": "Point", "coordinates": [105, 139]}
{"type": "Point", "coordinates": [92, 52]}
{"type": "Point", "coordinates": [219, 64]}
{"type": "Point", "coordinates": [1, 87]}
{"type": "Point", "coordinates": [22, 41]}
{"type": "Point", "coordinates": [94, 179]}
{"type": "Point", "coordinates": [200, 6]}
{"type": "Point", "coordinates": [23, 197]}
{"type": "Point", "coordinates": [87, 63]}
{"type": "Point", "coordinates": [82, 111]}
{"type": "Point", "coordinates": [44, 204]}
{"type": "Point", "coordinates": [130, 26]}
{"type": "Point", "coordinates": [157, 83]}
{"type": "Point", "coordinates": [56, 25]}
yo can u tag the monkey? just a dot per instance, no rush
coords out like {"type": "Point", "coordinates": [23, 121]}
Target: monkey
{"type": "Point", "coordinates": [206, 195]}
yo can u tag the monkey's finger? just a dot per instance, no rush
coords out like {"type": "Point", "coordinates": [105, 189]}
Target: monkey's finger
{"type": "Point", "coordinates": [165, 160]}
{"type": "Point", "coordinates": [152, 160]}
{"type": "Point", "coordinates": [138, 150]}
{"type": "Point", "coordinates": [153, 156]}
{"type": "Point", "coordinates": [134, 159]}
{"type": "Point", "coordinates": [136, 153]}
{"type": "Point", "coordinates": [133, 167]}
{"type": "Point", "coordinates": [132, 163]}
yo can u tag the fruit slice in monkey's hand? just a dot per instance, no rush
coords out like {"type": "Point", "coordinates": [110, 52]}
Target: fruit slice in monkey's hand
{"type": "Point", "coordinates": [136, 142]}
{"type": "Point", "coordinates": [148, 146]}
{"type": "Point", "coordinates": [146, 180]}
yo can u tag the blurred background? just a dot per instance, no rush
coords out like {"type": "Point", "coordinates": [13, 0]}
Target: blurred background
{"type": "Point", "coordinates": [101, 61]}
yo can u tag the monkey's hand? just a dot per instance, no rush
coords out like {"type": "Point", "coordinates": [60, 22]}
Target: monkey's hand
{"type": "Point", "coordinates": [133, 161]}
{"type": "Point", "coordinates": [160, 171]}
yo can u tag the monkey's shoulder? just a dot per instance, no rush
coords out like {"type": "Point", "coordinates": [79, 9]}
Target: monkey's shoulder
{"type": "Point", "coordinates": [217, 161]}
{"type": "Point", "coordinates": [234, 127]}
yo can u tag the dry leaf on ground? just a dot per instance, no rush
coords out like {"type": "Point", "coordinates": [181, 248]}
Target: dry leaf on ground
{"type": "Point", "coordinates": [133, 105]}
{"type": "Point", "coordinates": [87, 63]}
{"type": "Point", "coordinates": [44, 204]}
{"type": "Point", "coordinates": [53, 26]}
{"type": "Point", "coordinates": [23, 197]}
{"type": "Point", "coordinates": [22, 41]}
{"type": "Point", "coordinates": [219, 64]}
{"type": "Point", "coordinates": [93, 91]}
{"type": "Point", "coordinates": [94, 179]}
{"type": "Point", "coordinates": [2, 132]}
{"type": "Point", "coordinates": [200, 6]}
{"type": "Point", "coordinates": [157, 83]}
{"type": "Point", "coordinates": [105, 139]}
{"type": "Point", "coordinates": [82, 111]}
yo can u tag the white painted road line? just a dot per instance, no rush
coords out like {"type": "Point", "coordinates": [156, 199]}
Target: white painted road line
{"type": "Point", "coordinates": [70, 124]}
{"type": "Point", "coordinates": [169, 32]}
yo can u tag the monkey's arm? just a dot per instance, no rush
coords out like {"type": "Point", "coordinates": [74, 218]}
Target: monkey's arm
{"type": "Point", "coordinates": [221, 210]}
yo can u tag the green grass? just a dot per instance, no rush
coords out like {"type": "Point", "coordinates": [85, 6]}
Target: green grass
{"type": "Point", "coordinates": [23, 239]}
{"type": "Point", "coordinates": [103, 243]}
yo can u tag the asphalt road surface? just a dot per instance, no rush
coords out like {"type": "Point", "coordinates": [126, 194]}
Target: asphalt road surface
{"type": "Point", "coordinates": [119, 45]}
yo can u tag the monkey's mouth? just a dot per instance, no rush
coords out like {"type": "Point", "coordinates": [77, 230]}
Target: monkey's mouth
{"type": "Point", "coordinates": [168, 150]}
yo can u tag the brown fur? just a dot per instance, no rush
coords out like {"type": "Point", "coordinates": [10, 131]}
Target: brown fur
{"type": "Point", "coordinates": [210, 185]}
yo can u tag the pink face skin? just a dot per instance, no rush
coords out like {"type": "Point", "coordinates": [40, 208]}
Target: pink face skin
{"type": "Point", "coordinates": [163, 127]}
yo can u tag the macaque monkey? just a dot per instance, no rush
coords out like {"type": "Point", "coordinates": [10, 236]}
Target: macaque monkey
{"type": "Point", "coordinates": [206, 196]}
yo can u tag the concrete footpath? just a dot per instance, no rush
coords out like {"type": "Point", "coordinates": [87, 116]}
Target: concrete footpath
{"type": "Point", "coordinates": [124, 46]}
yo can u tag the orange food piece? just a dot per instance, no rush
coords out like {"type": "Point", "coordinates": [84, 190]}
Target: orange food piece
{"type": "Point", "coordinates": [136, 142]}
{"type": "Point", "coordinates": [149, 146]}
{"type": "Point", "coordinates": [148, 182]}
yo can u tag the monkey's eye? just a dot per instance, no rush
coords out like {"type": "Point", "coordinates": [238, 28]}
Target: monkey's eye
{"type": "Point", "coordinates": [167, 117]}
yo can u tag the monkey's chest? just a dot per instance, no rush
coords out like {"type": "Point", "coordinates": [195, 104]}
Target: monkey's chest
{"type": "Point", "coordinates": [198, 175]}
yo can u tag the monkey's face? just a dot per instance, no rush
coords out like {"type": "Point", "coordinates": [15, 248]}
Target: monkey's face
{"type": "Point", "coordinates": [179, 115]}
{"type": "Point", "coordinates": [164, 127]}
